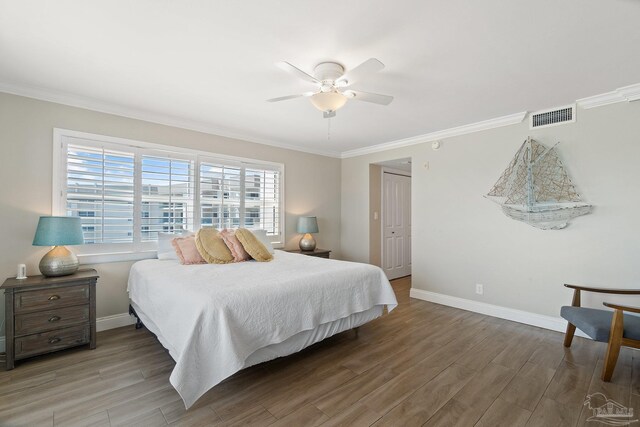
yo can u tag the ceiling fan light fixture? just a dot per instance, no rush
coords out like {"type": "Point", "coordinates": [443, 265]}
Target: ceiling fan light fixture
{"type": "Point", "coordinates": [328, 101]}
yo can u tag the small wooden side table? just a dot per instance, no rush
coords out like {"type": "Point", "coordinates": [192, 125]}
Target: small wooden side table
{"type": "Point", "coordinates": [46, 314]}
{"type": "Point", "coordinates": [320, 253]}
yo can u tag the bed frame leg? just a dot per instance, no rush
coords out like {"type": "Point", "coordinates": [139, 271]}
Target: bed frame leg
{"type": "Point", "coordinates": [138, 321]}
{"type": "Point", "coordinates": [357, 331]}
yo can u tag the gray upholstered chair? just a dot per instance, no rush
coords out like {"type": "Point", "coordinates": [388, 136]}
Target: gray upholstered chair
{"type": "Point", "coordinates": [613, 327]}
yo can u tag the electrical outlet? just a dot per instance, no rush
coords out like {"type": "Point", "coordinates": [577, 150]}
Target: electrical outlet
{"type": "Point", "coordinates": [479, 289]}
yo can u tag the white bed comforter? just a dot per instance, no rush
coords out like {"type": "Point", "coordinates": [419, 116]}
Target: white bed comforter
{"type": "Point", "coordinates": [212, 317]}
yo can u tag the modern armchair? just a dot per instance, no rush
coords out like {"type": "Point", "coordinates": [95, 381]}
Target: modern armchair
{"type": "Point", "coordinates": [613, 327]}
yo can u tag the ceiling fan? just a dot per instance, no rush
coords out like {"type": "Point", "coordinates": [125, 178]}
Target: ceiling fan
{"type": "Point", "coordinates": [331, 80]}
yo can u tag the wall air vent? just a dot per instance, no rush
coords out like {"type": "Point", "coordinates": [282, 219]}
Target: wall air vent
{"type": "Point", "coordinates": [552, 117]}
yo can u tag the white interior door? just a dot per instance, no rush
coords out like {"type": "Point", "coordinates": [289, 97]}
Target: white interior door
{"type": "Point", "coordinates": [396, 225]}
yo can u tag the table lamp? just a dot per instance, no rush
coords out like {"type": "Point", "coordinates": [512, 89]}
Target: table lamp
{"type": "Point", "coordinates": [58, 231]}
{"type": "Point", "coordinates": [307, 225]}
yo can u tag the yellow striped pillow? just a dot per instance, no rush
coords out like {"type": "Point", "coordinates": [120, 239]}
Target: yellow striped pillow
{"type": "Point", "coordinates": [211, 247]}
{"type": "Point", "coordinates": [253, 246]}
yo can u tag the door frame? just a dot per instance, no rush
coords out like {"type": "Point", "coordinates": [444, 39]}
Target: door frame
{"type": "Point", "coordinates": [383, 170]}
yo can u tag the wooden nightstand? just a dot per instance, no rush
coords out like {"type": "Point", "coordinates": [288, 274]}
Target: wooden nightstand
{"type": "Point", "coordinates": [320, 253]}
{"type": "Point", "coordinates": [45, 314]}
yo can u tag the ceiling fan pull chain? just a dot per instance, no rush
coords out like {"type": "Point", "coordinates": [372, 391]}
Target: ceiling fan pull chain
{"type": "Point", "coordinates": [329, 129]}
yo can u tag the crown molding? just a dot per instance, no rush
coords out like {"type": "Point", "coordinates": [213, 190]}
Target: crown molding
{"type": "Point", "coordinates": [626, 93]}
{"type": "Point", "coordinates": [138, 114]}
{"type": "Point", "coordinates": [511, 119]}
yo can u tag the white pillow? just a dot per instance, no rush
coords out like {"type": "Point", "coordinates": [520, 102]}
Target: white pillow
{"type": "Point", "coordinates": [166, 250]}
{"type": "Point", "coordinates": [262, 236]}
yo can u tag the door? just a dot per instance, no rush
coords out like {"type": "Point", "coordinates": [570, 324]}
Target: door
{"type": "Point", "coordinates": [396, 225]}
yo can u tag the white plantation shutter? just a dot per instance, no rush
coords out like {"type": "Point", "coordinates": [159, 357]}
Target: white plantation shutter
{"type": "Point", "coordinates": [100, 190]}
{"type": "Point", "coordinates": [167, 196]}
{"type": "Point", "coordinates": [240, 195]}
{"type": "Point", "coordinates": [126, 192]}
{"type": "Point", "coordinates": [262, 199]}
{"type": "Point", "coordinates": [220, 190]}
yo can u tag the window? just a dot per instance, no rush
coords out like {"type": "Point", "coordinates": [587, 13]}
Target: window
{"type": "Point", "coordinates": [100, 190]}
{"type": "Point", "coordinates": [167, 196]}
{"type": "Point", "coordinates": [126, 192]}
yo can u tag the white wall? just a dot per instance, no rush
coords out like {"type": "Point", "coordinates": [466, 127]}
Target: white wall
{"type": "Point", "coordinates": [312, 183]}
{"type": "Point", "coordinates": [461, 238]}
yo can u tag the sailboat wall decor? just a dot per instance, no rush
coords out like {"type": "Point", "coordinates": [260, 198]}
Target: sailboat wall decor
{"type": "Point", "coordinates": [536, 189]}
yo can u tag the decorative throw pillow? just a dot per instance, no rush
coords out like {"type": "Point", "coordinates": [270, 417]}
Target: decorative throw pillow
{"type": "Point", "coordinates": [165, 248]}
{"type": "Point", "coordinates": [262, 236]}
{"type": "Point", "coordinates": [211, 246]}
{"type": "Point", "coordinates": [234, 245]}
{"type": "Point", "coordinates": [186, 250]}
{"type": "Point", "coordinates": [253, 246]}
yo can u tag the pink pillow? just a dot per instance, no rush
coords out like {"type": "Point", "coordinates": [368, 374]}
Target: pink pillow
{"type": "Point", "coordinates": [187, 251]}
{"type": "Point", "coordinates": [234, 245]}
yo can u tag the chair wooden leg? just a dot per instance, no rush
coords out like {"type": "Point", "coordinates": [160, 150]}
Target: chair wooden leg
{"type": "Point", "coordinates": [568, 336]}
{"type": "Point", "coordinates": [571, 329]}
{"type": "Point", "coordinates": [613, 349]}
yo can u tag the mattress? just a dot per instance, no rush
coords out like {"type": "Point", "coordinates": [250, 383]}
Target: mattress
{"type": "Point", "coordinates": [218, 319]}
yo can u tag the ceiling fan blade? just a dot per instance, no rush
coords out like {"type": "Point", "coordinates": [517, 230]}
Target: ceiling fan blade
{"type": "Point", "coordinates": [376, 98]}
{"type": "Point", "coordinates": [328, 114]}
{"type": "Point", "coordinates": [284, 98]}
{"type": "Point", "coordinates": [298, 72]}
{"type": "Point", "coordinates": [369, 66]}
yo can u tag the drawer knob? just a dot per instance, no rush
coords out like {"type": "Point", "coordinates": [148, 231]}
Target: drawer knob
{"type": "Point", "coordinates": [54, 318]}
{"type": "Point", "coordinates": [54, 297]}
{"type": "Point", "coordinates": [54, 340]}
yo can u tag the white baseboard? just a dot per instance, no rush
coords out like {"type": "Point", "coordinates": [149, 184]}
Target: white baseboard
{"type": "Point", "coordinates": [102, 324]}
{"type": "Point", "coordinates": [115, 321]}
{"type": "Point", "coordinates": [520, 316]}
{"type": "Point", "coordinates": [540, 320]}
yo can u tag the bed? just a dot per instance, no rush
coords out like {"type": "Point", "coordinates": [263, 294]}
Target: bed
{"type": "Point", "coordinates": [218, 319]}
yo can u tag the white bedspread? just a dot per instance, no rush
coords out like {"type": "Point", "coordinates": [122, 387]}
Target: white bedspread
{"type": "Point", "coordinates": [213, 317]}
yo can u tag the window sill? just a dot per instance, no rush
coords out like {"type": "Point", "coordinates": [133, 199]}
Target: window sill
{"type": "Point", "coordinates": [115, 257]}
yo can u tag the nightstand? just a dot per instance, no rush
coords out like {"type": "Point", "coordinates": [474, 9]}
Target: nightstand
{"type": "Point", "coordinates": [320, 253]}
{"type": "Point", "coordinates": [46, 314]}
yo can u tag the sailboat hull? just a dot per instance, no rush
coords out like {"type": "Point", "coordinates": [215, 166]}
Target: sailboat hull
{"type": "Point", "coordinates": [548, 217]}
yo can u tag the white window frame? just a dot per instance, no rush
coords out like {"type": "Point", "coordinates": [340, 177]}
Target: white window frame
{"type": "Point", "coordinates": [105, 252]}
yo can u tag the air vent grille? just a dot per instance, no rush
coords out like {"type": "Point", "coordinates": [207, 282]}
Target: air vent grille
{"type": "Point", "coordinates": [553, 117]}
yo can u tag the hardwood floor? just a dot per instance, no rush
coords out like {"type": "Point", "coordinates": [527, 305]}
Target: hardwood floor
{"type": "Point", "coordinates": [423, 364]}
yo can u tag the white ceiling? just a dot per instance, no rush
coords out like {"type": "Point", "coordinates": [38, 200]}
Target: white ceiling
{"type": "Point", "coordinates": [448, 62]}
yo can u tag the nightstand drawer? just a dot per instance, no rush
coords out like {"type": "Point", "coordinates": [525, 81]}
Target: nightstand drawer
{"type": "Point", "coordinates": [46, 342]}
{"type": "Point", "coordinates": [50, 319]}
{"type": "Point", "coordinates": [51, 298]}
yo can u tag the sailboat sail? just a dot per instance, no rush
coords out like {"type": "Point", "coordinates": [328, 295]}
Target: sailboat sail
{"type": "Point", "coordinates": [536, 189]}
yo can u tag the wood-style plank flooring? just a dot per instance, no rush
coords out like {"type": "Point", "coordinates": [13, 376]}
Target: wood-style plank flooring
{"type": "Point", "coordinates": [423, 364]}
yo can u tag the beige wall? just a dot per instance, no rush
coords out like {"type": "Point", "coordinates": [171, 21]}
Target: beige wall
{"type": "Point", "coordinates": [375, 205]}
{"type": "Point", "coordinates": [312, 183]}
{"type": "Point", "coordinates": [461, 238]}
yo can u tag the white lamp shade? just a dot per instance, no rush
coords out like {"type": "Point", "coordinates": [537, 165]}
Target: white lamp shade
{"type": "Point", "coordinates": [328, 101]}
